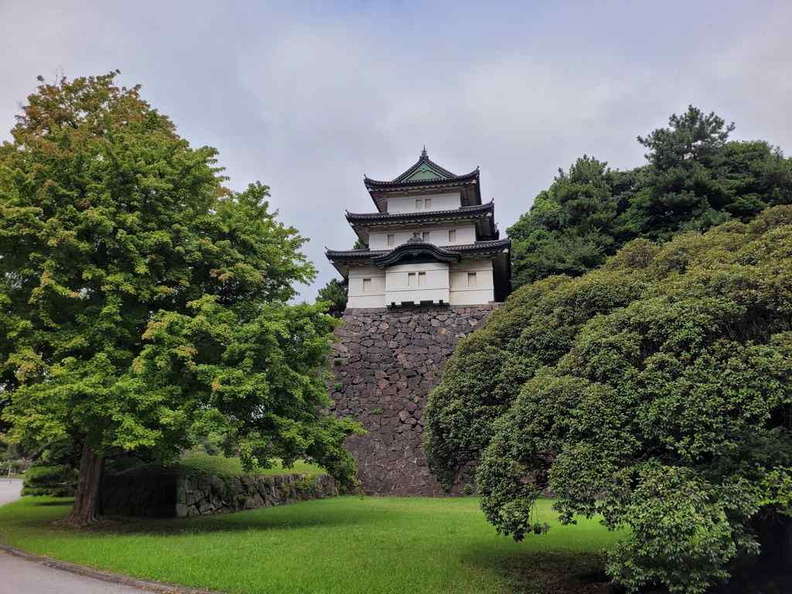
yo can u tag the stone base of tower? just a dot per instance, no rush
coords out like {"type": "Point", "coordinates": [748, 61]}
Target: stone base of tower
{"type": "Point", "coordinates": [385, 363]}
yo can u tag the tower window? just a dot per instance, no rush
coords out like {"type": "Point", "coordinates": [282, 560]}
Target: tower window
{"type": "Point", "coordinates": [471, 279]}
{"type": "Point", "coordinates": [366, 285]}
{"type": "Point", "coordinates": [411, 279]}
{"type": "Point", "coordinates": [451, 235]}
{"type": "Point", "coordinates": [426, 235]}
{"type": "Point", "coordinates": [421, 279]}
{"type": "Point", "coordinates": [391, 239]}
{"type": "Point", "coordinates": [419, 203]}
{"type": "Point", "coordinates": [427, 203]}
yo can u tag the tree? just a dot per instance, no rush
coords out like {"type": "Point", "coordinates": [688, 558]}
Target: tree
{"type": "Point", "coordinates": [142, 300]}
{"type": "Point", "coordinates": [573, 226]}
{"type": "Point", "coordinates": [535, 327]}
{"type": "Point", "coordinates": [334, 293]}
{"type": "Point", "coordinates": [695, 178]}
{"type": "Point", "coordinates": [659, 396]}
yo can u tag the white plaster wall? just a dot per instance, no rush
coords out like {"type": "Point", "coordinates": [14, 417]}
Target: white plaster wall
{"type": "Point", "coordinates": [443, 284]}
{"type": "Point", "coordinates": [436, 289]}
{"type": "Point", "coordinates": [465, 233]}
{"type": "Point", "coordinates": [357, 298]}
{"type": "Point", "coordinates": [483, 292]}
{"type": "Point", "coordinates": [445, 201]}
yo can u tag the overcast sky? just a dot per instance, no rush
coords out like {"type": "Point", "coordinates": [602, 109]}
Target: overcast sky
{"type": "Point", "coordinates": [308, 96]}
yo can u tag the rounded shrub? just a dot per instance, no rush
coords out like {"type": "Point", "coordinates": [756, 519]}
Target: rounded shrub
{"type": "Point", "coordinates": [53, 481]}
{"type": "Point", "coordinates": [655, 391]}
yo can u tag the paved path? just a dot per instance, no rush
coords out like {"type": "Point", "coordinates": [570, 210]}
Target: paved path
{"type": "Point", "coordinates": [19, 576]}
{"type": "Point", "coordinates": [9, 490]}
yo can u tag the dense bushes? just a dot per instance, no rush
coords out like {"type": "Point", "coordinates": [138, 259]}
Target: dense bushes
{"type": "Point", "coordinates": [55, 481]}
{"type": "Point", "coordinates": [535, 328]}
{"type": "Point", "coordinates": [654, 391]}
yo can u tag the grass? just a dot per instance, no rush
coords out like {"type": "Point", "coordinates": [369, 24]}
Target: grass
{"type": "Point", "coordinates": [344, 545]}
{"type": "Point", "coordinates": [233, 466]}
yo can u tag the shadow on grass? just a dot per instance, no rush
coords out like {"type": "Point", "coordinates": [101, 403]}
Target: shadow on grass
{"type": "Point", "coordinates": [66, 502]}
{"type": "Point", "coordinates": [551, 572]}
{"type": "Point", "coordinates": [288, 517]}
{"type": "Point", "coordinates": [232, 522]}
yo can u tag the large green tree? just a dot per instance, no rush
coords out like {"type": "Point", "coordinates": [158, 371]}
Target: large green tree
{"type": "Point", "coordinates": [142, 300]}
{"type": "Point", "coordinates": [654, 391]}
{"type": "Point", "coordinates": [694, 178]}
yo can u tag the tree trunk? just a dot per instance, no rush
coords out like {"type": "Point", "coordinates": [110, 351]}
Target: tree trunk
{"type": "Point", "coordinates": [86, 500]}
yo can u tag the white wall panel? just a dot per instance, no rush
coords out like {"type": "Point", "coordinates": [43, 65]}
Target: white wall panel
{"type": "Point", "coordinates": [374, 296]}
{"type": "Point", "coordinates": [438, 235]}
{"type": "Point", "coordinates": [446, 201]}
{"type": "Point", "coordinates": [435, 288]}
{"type": "Point", "coordinates": [461, 293]}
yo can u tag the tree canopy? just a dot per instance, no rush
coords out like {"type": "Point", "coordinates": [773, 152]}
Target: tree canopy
{"type": "Point", "coordinates": [654, 390]}
{"type": "Point", "coordinates": [142, 299]}
{"type": "Point", "coordinates": [694, 178]}
{"type": "Point", "coordinates": [335, 294]}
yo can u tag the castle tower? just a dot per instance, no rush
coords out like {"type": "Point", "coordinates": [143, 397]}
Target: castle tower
{"type": "Point", "coordinates": [431, 241]}
{"type": "Point", "coordinates": [433, 270]}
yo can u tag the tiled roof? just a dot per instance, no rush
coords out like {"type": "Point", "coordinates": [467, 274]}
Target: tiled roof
{"type": "Point", "coordinates": [452, 251]}
{"type": "Point", "coordinates": [425, 172]}
{"type": "Point", "coordinates": [386, 218]}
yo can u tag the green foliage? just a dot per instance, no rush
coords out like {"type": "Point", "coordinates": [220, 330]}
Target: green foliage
{"type": "Point", "coordinates": [534, 328]}
{"type": "Point", "coordinates": [695, 178]}
{"type": "Point", "coordinates": [53, 481]}
{"type": "Point", "coordinates": [654, 391]}
{"type": "Point", "coordinates": [306, 486]}
{"type": "Point", "coordinates": [334, 294]}
{"type": "Point", "coordinates": [143, 302]}
{"type": "Point", "coordinates": [220, 465]}
{"type": "Point", "coordinates": [573, 225]}
{"type": "Point", "coordinates": [13, 467]}
{"type": "Point", "coordinates": [338, 545]}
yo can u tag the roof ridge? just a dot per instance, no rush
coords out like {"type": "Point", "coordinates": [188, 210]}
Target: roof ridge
{"type": "Point", "coordinates": [424, 159]}
{"type": "Point", "coordinates": [424, 165]}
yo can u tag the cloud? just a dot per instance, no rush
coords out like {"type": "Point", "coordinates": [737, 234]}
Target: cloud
{"type": "Point", "coordinates": [307, 97]}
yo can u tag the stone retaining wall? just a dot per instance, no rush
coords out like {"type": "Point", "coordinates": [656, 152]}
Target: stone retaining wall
{"type": "Point", "coordinates": [170, 493]}
{"type": "Point", "coordinates": [385, 363]}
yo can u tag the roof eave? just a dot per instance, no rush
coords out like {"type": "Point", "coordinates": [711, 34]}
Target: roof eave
{"type": "Point", "coordinates": [493, 246]}
{"type": "Point", "coordinates": [394, 185]}
{"type": "Point", "coordinates": [413, 249]}
{"type": "Point", "coordinates": [472, 213]}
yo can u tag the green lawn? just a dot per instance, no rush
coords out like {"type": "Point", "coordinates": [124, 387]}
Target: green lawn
{"type": "Point", "coordinates": [342, 545]}
{"type": "Point", "coordinates": [233, 466]}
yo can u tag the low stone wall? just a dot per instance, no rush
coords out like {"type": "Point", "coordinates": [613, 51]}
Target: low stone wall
{"type": "Point", "coordinates": [202, 495]}
{"type": "Point", "coordinates": [385, 363]}
{"type": "Point", "coordinates": [170, 493]}
{"type": "Point", "coordinates": [148, 493]}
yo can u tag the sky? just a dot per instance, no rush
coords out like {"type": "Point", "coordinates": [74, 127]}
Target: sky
{"type": "Point", "coordinates": [307, 97]}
